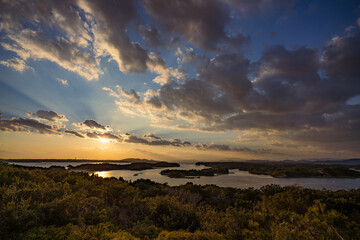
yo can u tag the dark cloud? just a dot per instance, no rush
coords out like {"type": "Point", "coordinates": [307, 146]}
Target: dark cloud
{"type": "Point", "coordinates": [108, 136]}
{"type": "Point", "coordinates": [153, 140]}
{"type": "Point", "coordinates": [298, 65]}
{"type": "Point", "coordinates": [229, 73]}
{"type": "Point", "coordinates": [48, 115]}
{"type": "Point", "coordinates": [259, 120]}
{"type": "Point", "coordinates": [200, 22]}
{"type": "Point", "coordinates": [259, 6]}
{"type": "Point", "coordinates": [111, 37]}
{"type": "Point", "coordinates": [341, 61]}
{"type": "Point", "coordinates": [342, 125]}
{"type": "Point", "coordinates": [284, 79]}
{"type": "Point", "coordinates": [74, 133]}
{"type": "Point", "coordinates": [151, 35]}
{"type": "Point", "coordinates": [151, 136]}
{"type": "Point", "coordinates": [27, 125]}
{"type": "Point", "coordinates": [131, 94]}
{"type": "Point", "coordinates": [193, 97]}
{"type": "Point", "coordinates": [224, 147]}
{"type": "Point", "coordinates": [155, 102]}
{"type": "Point", "coordinates": [91, 124]}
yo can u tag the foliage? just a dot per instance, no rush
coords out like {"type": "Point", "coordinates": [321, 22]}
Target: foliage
{"type": "Point", "coordinates": [57, 204]}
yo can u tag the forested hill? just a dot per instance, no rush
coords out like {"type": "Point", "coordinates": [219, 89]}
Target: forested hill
{"type": "Point", "coordinates": [290, 169]}
{"type": "Point", "coordinates": [56, 204]}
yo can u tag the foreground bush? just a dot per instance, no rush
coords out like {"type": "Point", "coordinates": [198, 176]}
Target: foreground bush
{"type": "Point", "coordinates": [55, 204]}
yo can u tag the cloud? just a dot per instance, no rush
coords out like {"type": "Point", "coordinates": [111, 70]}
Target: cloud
{"type": "Point", "coordinates": [153, 140]}
{"type": "Point", "coordinates": [258, 120]}
{"type": "Point", "coordinates": [284, 80]}
{"type": "Point", "coordinates": [43, 122]}
{"type": "Point", "coordinates": [91, 125]}
{"type": "Point", "coordinates": [77, 35]}
{"type": "Point", "coordinates": [156, 64]}
{"type": "Point", "coordinates": [151, 136]}
{"type": "Point", "coordinates": [64, 49]}
{"type": "Point", "coordinates": [31, 44]}
{"type": "Point", "coordinates": [27, 125]}
{"type": "Point", "coordinates": [192, 98]}
{"type": "Point", "coordinates": [74, 133]}
{"type": "Point", "coordinates": [248, 7]}
{"type": "Point", "coordinates": [94, 130]}
{"type": "Point", "coordinates": [301, 93]}
{"type": "Point", "coordinates": [286, 93]}
{"type": "Point", "coordinates": [16, 63]}
{"type": "Point", "coordinates": [341, 61]}
{"type": "Point", "coordinates": [63, 82]}
{"type": "Point", "coordinates": [229, 73]}
{"type": "Point", "coordinates": [200, 22]}
{"type": "Point", "coordinates": [151, 35]}
{"type": "Point", "coordinates": [106, 136]}
{"type": "Point", "coordinates": [112, 39]}
{"type": "Point", "coordinates": [188, 56]}
{"type": "Point", "coordinates": [81, 40]}
{"type": "Point", "coordinates": [48, 115]}
{"type": "Point", "coordinates": [50, 14]}
{"type": "Point", "coordinates": [131, 94]}
{"type": "Point", "coordinates": [224, 147]}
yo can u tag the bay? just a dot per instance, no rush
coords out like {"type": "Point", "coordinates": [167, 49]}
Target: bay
{"type": "Point", "coordinates": [236, 178]}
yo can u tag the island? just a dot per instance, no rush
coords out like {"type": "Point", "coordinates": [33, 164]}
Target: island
{"type": "Point", "coordinates": [290, 169]}
{"type": "Point", "coordinates": [138, 166]}
{"type": "Point", "coordinates": [174, 173]}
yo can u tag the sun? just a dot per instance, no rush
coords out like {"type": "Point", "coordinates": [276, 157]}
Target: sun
{"type": "Point", "coordinates": [104, 140]}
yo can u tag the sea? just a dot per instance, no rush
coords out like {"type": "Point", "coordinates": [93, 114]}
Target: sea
{"type": "Point", "coordinates": [235, 179]}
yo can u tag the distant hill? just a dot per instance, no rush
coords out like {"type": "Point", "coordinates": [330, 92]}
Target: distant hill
{"type": "Point", "coordinates": [126, 160]}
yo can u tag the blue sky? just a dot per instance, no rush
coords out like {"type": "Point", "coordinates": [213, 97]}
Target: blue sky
{"type": "Point", "coordinates": [192, 79]}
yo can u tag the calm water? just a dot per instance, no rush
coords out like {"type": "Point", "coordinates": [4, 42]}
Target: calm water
{"type": "Point", "coordinates": [236, 178]}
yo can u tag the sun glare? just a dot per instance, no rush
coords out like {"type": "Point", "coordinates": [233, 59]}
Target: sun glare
{"type": "Point", "coordinates": [104, 140]}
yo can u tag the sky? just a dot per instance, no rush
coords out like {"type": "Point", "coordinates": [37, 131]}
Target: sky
{"type": "Point", "coordinates": [180, 80]}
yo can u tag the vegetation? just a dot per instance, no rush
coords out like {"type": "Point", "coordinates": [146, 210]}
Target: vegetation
{"type": "Point", "coordinates": [288, 170]}
{"type": "Point", "coordinates": [56, 204]}
{"type": "Point", "coordinates": [194, 173]}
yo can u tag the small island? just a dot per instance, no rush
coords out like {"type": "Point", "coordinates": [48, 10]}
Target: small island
{"type": "Point", "coordinates": [194, 173]}
{"type": "Point", "coordinates": [290, 169]}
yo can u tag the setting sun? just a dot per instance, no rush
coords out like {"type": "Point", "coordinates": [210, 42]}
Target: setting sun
{"type": "Point", "coordinates": [103, 140]}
